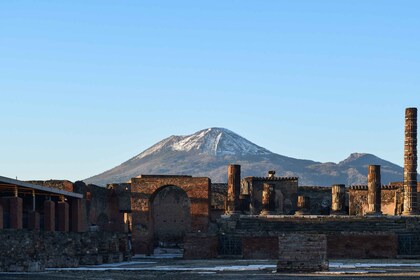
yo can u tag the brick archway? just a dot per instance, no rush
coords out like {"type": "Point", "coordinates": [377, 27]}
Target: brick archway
{"type": "Point", "coordinates": [143, 191]}
{"type": "Point", "coordinates": [171, 217]}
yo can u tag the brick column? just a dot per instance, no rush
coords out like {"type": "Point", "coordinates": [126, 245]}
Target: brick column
{"type": "Point", "coordinates": [303, 205]}
{"type": "Point", "coordinates": [77, 219]}
{"type": "Point", "coordinates": [1, 216]}
{"type": "Point", "coordinates": [234, 189]}
{"type": "Point", "coordinates": [49, 215]}
{"type": "Point", "coordinates": [15, 212]}
{"type": "Point", "coordinates": [374, 190]}
{"type": "Point", "coordinates": [63, 216]}
{"type": "Point", "coordinates": [268, 199]}
{"type": "Point", "coordinates": [410, 162]}
{"type": "Point", "coordinates": [338, 199]}
{"type": "Point", "coordinates": [33, 220]}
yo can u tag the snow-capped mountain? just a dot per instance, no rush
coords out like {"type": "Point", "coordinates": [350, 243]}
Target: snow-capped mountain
{"type": "Point", "coordinates": [208, 152]}
{"type": "Point", "coordinates": [212, 141]}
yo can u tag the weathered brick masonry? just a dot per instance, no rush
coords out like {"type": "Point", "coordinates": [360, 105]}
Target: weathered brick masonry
{"type": "Point", "coordinates": [145, 188]}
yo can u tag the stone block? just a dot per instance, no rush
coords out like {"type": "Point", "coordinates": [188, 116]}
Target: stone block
{"type": "Point", "coordinates": [302, 253]}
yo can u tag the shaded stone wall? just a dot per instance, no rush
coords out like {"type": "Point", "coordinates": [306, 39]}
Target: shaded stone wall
{"type": "Point", "coordinates": [319, 199]}
{"type": "Point", "coordinates": [24, 250]}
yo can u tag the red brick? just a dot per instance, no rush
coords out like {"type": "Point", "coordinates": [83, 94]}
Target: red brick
{"type": "Point", "coordinates": [63, 216]}
{"type": "Point", "coordinates": [49, 215]}
{"type": "Point", "coordinates": [15, 204]}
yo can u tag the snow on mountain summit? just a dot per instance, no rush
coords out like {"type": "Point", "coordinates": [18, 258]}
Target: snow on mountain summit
{"type": "Point", "coordinates": [212, 141]}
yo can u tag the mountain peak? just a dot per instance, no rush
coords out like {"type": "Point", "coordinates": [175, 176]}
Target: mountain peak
{"type": "Point", "coordinates": [215, 141]}
{"type": "Point", "coordinates": [359, 157]}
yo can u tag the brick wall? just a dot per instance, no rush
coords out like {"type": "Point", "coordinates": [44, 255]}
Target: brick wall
{"type": "Point", "coordinates": [351, 245]}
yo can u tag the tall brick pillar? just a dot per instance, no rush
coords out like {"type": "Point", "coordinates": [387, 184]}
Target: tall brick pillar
{"type": "Point", "coordinates": [15, 212]}
{"type": "Point", "coordinates": [338, 199]}
{"type": "Point", "coordinates": [410, 162]}
{"type": "Point", "coordinates": [63, 216]}
{"type": "Point", "coordinates": [49, 215]}
{"type": "Point", "coordinates": [77, 218]}
{"type": "Point", "coordinates": [268, 199]}
{"type": "Point", "coordinates": [374, 190]}
{"type": "Point", "coordinates": [234, 189]}
{"type": "Point", "coordinates": [1, 216]}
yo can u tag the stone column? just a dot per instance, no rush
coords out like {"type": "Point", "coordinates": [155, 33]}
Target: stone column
{"type": "Point", "coordinates": [15, 212]}
{"type": "Point", "coordinates": [234, 189]}
{"type": "Point", "coordinates": [303, 205]}
{"type": "Point", "coordinates": [63, 216]}
{"type": "Point", "coordinates": [268, 199]}
{"type": "Point", "coordinates": [410, 162]}
{"type": "Point", "coordinates": [374, 190]}
{"type": "Point", "coordinates": [49, 215]}
{"type": "Point", "coordinates": [338, 199]}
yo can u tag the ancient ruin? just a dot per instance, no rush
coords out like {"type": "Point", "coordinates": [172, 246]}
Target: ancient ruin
{"type": "Point", "coordinates": [251, 218]}
{"type": "Point", "coordinates": [410, 162]}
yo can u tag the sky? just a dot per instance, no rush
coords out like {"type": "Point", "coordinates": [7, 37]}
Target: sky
{"type": "Point", "coordinates": [86, 85]}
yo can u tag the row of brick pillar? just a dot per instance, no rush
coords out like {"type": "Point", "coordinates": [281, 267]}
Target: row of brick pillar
{"type": "Point", "coordinates": [338, 193]}
{"type": "Point", "coordinates": [63, 215]}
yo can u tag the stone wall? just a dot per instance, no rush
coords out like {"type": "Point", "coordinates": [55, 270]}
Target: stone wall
{"type": "Point", "coordinates": [302, 253]}
{"type": "Point", "coordinates": [23, 250]}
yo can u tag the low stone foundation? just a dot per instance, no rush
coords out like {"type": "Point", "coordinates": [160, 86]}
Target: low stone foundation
{"type": "Point", "coordinates": [30, 251]}
{"type": "Point", "coordinates": [302, 253]}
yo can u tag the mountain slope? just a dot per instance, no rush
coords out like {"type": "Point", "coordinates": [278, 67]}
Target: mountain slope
{"type": "Point", "coordinates": [209, 151]}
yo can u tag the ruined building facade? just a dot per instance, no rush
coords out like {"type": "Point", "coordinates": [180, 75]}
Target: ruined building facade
{"type": "Point", "coordinates": [244, 217]}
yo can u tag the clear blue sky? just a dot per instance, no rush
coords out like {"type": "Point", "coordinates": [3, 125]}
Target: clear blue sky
{"type": "Point", "coordinates": [85, 85]}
